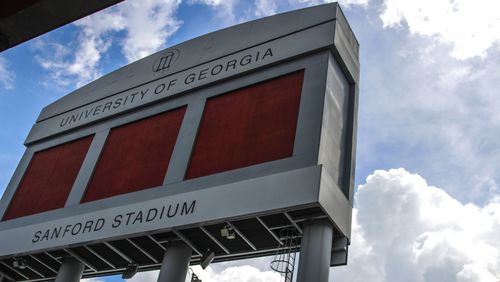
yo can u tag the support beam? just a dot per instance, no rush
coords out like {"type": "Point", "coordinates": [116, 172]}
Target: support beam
{"type": "Point", "coordinates": [270, 231]}
{"type": "Point", "coordinates": [3, 275]}
{"type": "Point", "coordinates": [43, 263]}
{"type": "Point", "coordinates": [293, 222]}
{"type": "Point", "coordinates": [144, 252]}
{"type": "Point", "coordinates": [118, 252]}
{"type": "Point", "coordinates": [71, 270]}
{"type": "Point", "coordinates": [215, 240]}
{"type": "Point", "coordinates": [106, 261]}
{"type": "Point", "coordinates": [188, 242]}
{"type": "Point", "coordinates": [242, 236]}
{"type": "Point", "coordinates": [15, 270]}
{"type": "Point", "coordinates": [84, 261]}
{"type": "Point", "coordinates": [315, 251]}
{"type": "Point", "coordinates": [35, 271]}
{"type": "Point", "coordinates": [156, 242]}
{"type": "Point", "coordinates": [52, 257]}
{"type": "Point", "coordinates": [175, 263]}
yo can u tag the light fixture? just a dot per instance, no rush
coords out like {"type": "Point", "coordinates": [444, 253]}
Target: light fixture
{"type": "Point", "coordinates": [130, 271]}
{"type": "Point", "coordinates": [19, 263]}
{"type": "Point", "coordinates": [207, 258]}
{"type": "Point", "coordinates": [228, 232]}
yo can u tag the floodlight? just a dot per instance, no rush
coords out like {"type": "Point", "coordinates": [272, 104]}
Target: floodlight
{"type": "Point", "coordinates": [19, 263]}
{"type": "Point", "coordinates": [228, 232]}
{"type": "Point", "coordinates": [207, 258]}
{"type": "Point", "coordinates": [130, 271]}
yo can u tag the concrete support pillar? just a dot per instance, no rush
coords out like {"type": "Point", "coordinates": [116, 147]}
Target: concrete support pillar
{"type": "Point", "coordinates": [71, 270]}
{"type": "Point", "coordinates": [175, 263]}
{"type": "Point", "coordinates": [315, 251]}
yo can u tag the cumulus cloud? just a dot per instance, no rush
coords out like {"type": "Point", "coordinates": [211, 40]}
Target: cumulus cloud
{"type": "Point", "coordinates": [146, 26]}
{"type": "Point", "coordinates": [6, 76]}
{"type": "Point", "coordinates": [243, 273]}
{"type": "Point", "coordinates": [423, 109]}
{"type": "Point", "coordinates": [225, 9]}
{"type": "Point", "coordinates": [149, 276]}
{"type": "Point", "coordinates": [265, 8]}
{"type": "Point", "coordinates": [471, 27]}
{"type": "Point", "coordinates": [343, 3]}
{"type": "Point", "coordinates": [66, 66]}
{"type": "Point", "coordinates": [407, 230]}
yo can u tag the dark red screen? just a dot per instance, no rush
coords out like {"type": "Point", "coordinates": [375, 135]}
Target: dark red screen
{"type": "Point", "coordinates": [49, 178]}
{"type": "Point", "coordinates": [248, 126]}
{"type": "Point", "coordinates": [135, 156]}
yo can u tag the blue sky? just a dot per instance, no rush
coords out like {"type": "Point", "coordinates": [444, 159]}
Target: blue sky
{"type": "Point", "coordinates": [428, 163]}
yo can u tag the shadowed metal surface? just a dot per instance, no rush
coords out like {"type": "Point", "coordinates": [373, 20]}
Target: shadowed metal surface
{"type": "Point", "coordinates": [23, 20]}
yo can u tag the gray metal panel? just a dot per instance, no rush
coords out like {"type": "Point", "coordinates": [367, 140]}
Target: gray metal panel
{"type": "Point", "coordinates": [334, 129]}
{"type": "Point", "coordinates": [14, 181]}
{"type": "Point", "coordinates": [195, 52]}
{"type": "Point", "coordinates": [87, 168]}
{"type": "Point", "coordinates": [248, 197]}
{"type": "Point", "coordinates": [346, 48]}
{"type": "Point", "coordinates": [307, 137]}
{"type": "Point", "coordinates": [352, 143]}
{"type": "Point", "coordinates": [282, 49]}
{"type": "Point", "coordinates": [179, 160]}
{"type": "Point", "coordinates": [335, 204]}
{"type": "Point", "coordinates": [336, 148]}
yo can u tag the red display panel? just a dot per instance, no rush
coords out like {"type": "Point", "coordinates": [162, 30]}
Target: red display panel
{"type": "Point", "coordinates": [248, 126]}
{"type": "Point", "coordinates": [49, 178]}
{"type": "Point", "coordinates": [135, 156]}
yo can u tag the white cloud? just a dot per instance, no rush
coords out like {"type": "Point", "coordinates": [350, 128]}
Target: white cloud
{"type": "Point", "coordinates": [66, 67]}
{"type": "Point", "coordinates": [146, 24]}
{"type": "Point", "coordinates": [422, 109]}
{"type": "Point", "coordinates": [243, 273]}
{"type": "Point", "coordinates": [471, 27]}
{"type": "Point", "coordinates": [343, 3]}
{"type": "Point", "coordinates": [145, 277]}
{"type": "Point", "coordinates": [92, 280]}
{"type": "Point", "coordinates": [406, 230]}
{"type": "Point", "coordinates": [225, 9]}
{"type": "Point", "coordinates": [6, 76]}
{"type": "Point", "coordinates": [265, 8]}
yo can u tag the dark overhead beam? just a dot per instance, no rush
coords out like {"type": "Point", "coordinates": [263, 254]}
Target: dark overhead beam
{"type": "Point", "coordinates": [23, 20]}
